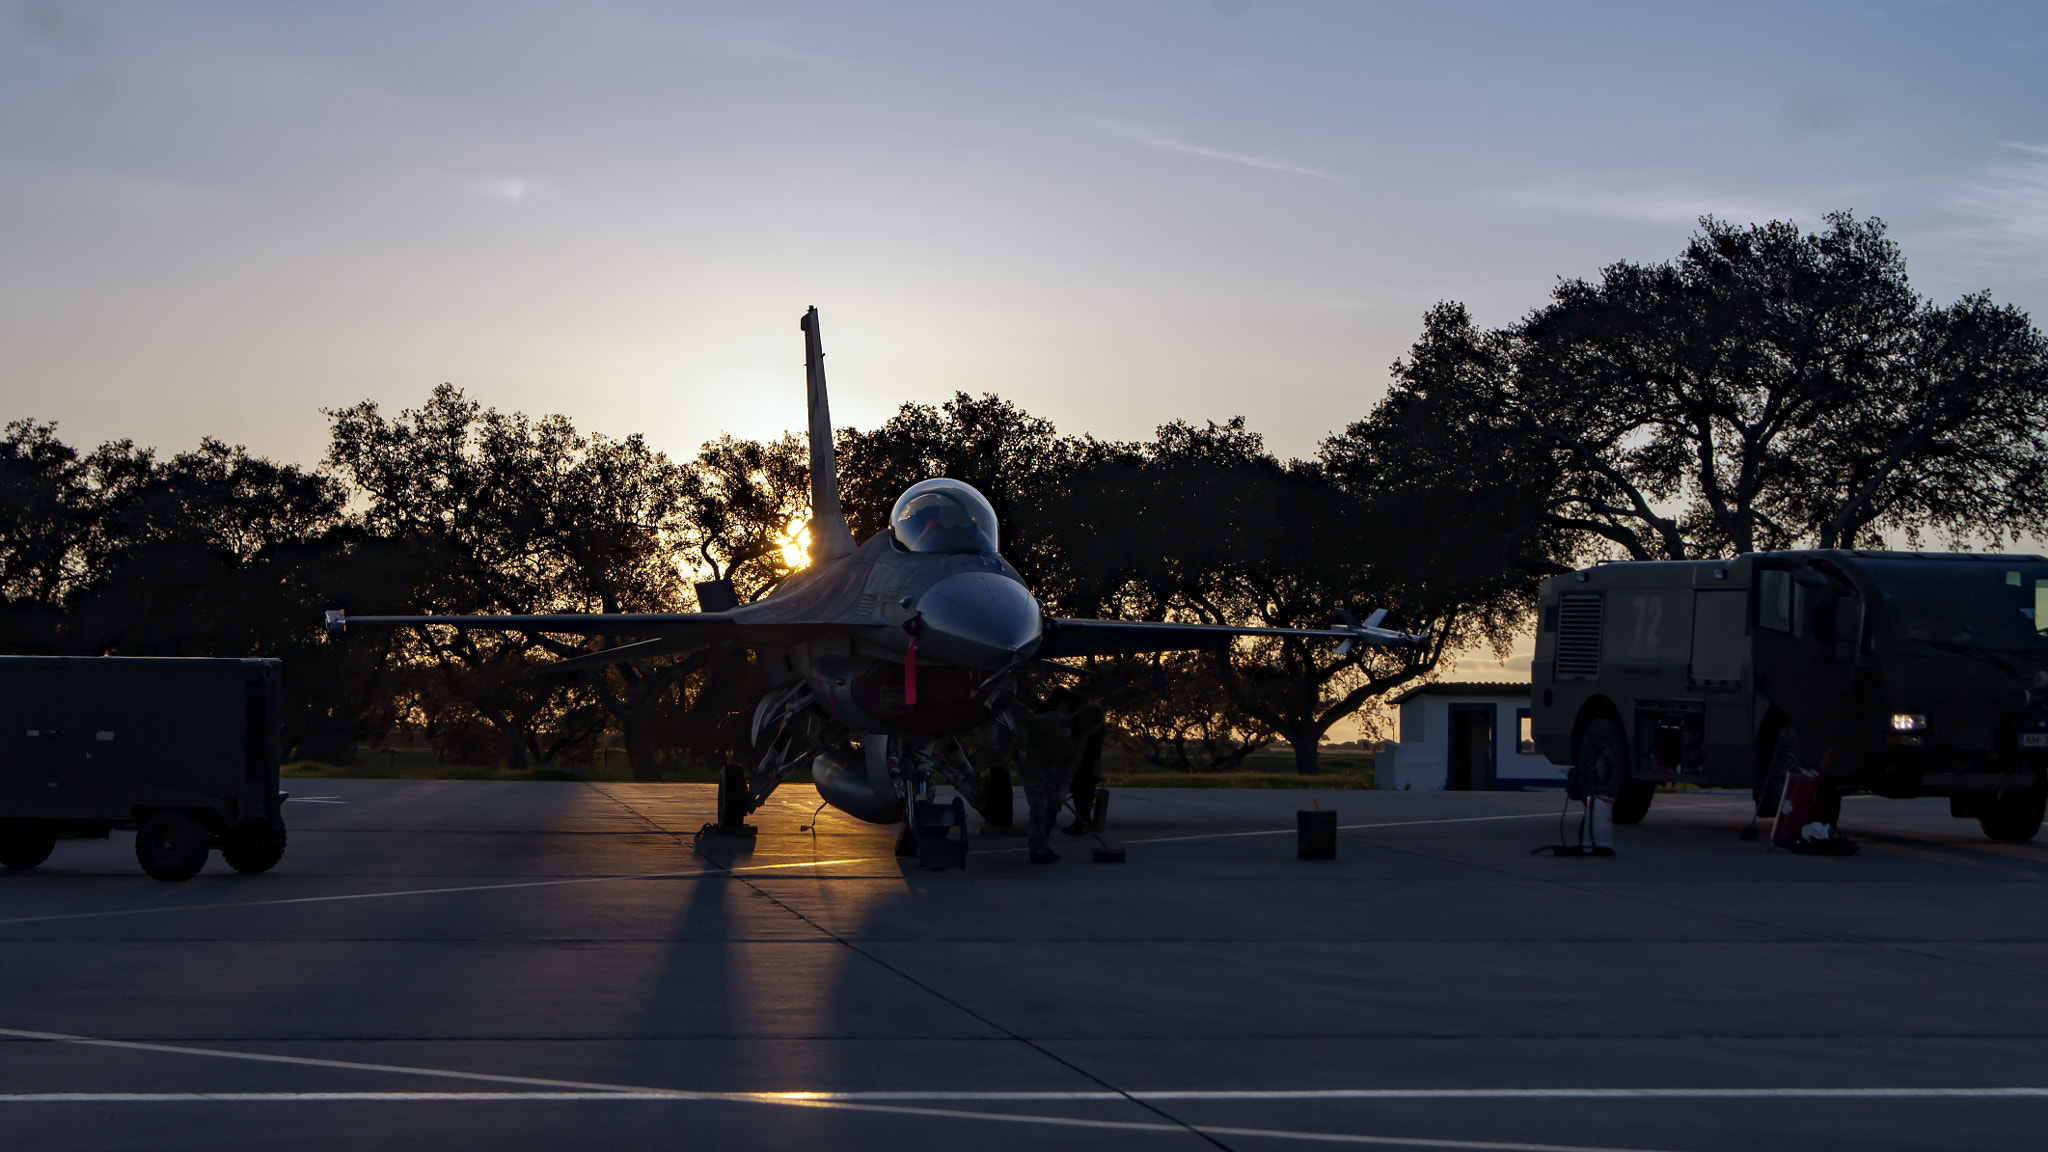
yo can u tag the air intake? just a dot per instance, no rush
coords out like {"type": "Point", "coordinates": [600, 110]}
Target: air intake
{"type": "Point", "coordinates": [1578, 637]}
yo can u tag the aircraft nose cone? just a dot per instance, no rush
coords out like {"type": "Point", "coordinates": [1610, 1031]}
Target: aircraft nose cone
{"type": "Point", "coordinates": [978, 620]}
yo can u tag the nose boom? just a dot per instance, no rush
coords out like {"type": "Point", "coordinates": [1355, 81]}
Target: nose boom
{"type": "Point", "coordinates": [978, 620]}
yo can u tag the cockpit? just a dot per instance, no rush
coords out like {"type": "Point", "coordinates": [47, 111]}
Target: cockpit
{"type": "Point", "coordinates": [943, 516]}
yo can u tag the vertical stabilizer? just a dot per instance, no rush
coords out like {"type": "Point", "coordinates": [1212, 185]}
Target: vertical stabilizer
{"type": "Point", "coordinates": [830, 538]}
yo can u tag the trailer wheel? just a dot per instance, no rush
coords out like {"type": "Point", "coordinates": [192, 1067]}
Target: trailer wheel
{"type": "Point", "coordinates": [25, 847]}
{"type": "Point", "coordinates": [172, 845]}
{"type": "Point", "coordinates": [2014, 816]}
{"type": "Point", "coordinates": [1770, 788]}
{"type": "Point", "coordinates": [254, 847]}
{"type": "Point", "coordinates": [1603, 766]}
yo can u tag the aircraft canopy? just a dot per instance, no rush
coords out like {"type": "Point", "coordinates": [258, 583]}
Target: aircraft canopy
{"type": "Point", "coordinates": [943, 516]}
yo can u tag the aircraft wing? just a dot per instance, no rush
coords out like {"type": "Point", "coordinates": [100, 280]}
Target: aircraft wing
{"type": "Point", "coordinates": [691, 628]}
{"type": "Point", "coordinates": [1066, 637]}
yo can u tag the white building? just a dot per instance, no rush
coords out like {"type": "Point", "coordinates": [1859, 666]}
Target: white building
{"type": "Point", "coordinates": [1465, 736]}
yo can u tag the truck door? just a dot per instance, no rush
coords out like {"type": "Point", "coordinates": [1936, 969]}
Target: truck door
{"type": "Point", "coordinates": [53, 777]}
{"type": "Point", "coordinates": [1799, 668]}
{"type": "Point", "coordinates": [1720, 642]}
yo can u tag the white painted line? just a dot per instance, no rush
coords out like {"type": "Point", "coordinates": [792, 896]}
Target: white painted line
{"type": "Point", "coordinates": [808, 864]}
{"type": "Point", "coordinates": [1375, 1094]}
{"type": "Point", "coordinates": [317, 1062]}
{"type": "Point", "coordinates": [1348, 827]}
{"type": "Point", "coordinates": [358, 896]}
{"type": "Point", "coordinates": [568, 1090]}
{"type": "Point", "coordinates": [1728, 1093]}
{"type": "Point", "coordinates": [794, 1101]}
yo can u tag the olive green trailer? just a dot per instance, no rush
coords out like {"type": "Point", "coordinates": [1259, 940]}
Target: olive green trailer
{"type": "Point", "coordinates": [184, 751]}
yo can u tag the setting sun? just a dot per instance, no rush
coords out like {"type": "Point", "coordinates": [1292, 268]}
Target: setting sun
{"type": "Point", "coordinates": [796, 545]}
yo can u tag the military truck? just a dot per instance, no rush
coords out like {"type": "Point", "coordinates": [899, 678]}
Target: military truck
{"type": "Point", "coordinates": [184, 751]}
{"type": "Point", "coordinates": [1895, 673]}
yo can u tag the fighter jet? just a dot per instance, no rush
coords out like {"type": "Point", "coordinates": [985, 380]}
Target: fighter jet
{"type": "Point", "coordinates": [881, 655]}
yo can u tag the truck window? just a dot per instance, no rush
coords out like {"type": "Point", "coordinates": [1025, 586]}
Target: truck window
{"type": "Point", "coordinates": [1965, 602]}
{"type": "Point", "coordinates": [1774, 600]}
{"type": "Point", "coordinates": [1717, 640]}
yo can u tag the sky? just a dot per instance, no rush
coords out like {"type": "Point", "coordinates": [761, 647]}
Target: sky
{"type": "Point", "coordinates": [220, 218]}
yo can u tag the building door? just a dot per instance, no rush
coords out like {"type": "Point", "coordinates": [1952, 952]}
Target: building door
{"type": "Point", "coordinates": [1472, 748]}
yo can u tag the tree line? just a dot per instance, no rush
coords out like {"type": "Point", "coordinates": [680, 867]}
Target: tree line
{"type": "Point", "coordinates": [1766, 389]}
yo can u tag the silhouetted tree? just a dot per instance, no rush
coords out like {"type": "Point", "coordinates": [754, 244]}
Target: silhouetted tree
{"type": "Point", "coordinates": [1768, 388]}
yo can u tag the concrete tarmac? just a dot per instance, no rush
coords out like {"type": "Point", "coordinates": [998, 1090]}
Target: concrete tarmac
{"type": "Point", "coordinates": [465, 964]}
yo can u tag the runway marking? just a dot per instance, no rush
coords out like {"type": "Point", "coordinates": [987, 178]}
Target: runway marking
{"type": "Point", "coordinates": [1343, 828]}
{"type": "Point", "coordinates": [807, 864]}
{"type": "Point", "coordinates": [432, 891]}
{"type": "Point", "coordinates": [314, 800]}
{"type": "Point", "coordinates": [799, 1102]}
{"type": "Point", "coordinates": [355, 896]}
{"type": "Point", "coordinates": [1373, 1094]}
{"type": "Point", "coordinates": [901, 1103]}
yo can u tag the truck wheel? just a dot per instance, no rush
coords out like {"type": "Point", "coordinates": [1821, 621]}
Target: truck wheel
{"type": "Point", "coordinates": [1603, 766]}
{"type": "Point", "coordinates": [255, 847]}
{"type": "Point", "coordinates": [732, 796]}
{"type": "Point", "coordinates": [2014, 816]}
{"type": "Point", "coordinates": [1770, 787]}
{"type": "Point", "coordinates": [172, 845]}
{"type": "Point", "coordinates": [25, 847]}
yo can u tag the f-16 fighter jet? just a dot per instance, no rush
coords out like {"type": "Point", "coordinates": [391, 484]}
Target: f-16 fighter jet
{"type": "Point", "coordinates": [882, 655]}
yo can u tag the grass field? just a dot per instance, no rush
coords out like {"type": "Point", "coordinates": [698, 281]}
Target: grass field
{"type": "Point", "coordinates": [1341, 769]}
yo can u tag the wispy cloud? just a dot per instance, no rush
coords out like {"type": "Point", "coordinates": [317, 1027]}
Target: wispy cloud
{"type": "Point", "coordinates": [510, 191]}
{"type": "Point", "coordinates": [1666, 203]}
{"type": "Point", "coordinates": [2007, 210]}
{"type": "Point", "coordinates": [752, 41]}
{"type": "Point", "coordinates": [1151, 138]}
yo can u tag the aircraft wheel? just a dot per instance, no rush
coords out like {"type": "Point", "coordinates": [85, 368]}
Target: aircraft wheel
{"type": "Point", "coordinates": [732, 795]}
{"type": "Point", "coordinates": [2014, 816]}
{"type": "Point", "coordinates": [998, 803]}
{"type": "Point", "coordinates": [1603, 766]}
{"type": "Point", "coordinates": [255, 847]}
{"type": "Point", "coordinates": [172, 845]}
{"type": "Point", "coordinates": [25, 847]}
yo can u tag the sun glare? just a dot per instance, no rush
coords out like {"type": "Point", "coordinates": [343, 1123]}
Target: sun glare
{"type": "Point", "coordinates": [796, 545]}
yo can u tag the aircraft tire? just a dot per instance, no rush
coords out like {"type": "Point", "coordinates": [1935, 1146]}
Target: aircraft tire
{"type": "Point", "coordinates": [998, 803]}
{"type": "Point", "coordinates": [24, 848]}
{"type": "Point", "coordinates": [732, 795]}
{"type": "Point", "coordinates": [2014, 816]}
{"type": "Point", "coordinates": [253, 848]}
{"type": "Point", "coordinates": [172, 845]}
{"type": "Point", "coordinates": [1603, 765]}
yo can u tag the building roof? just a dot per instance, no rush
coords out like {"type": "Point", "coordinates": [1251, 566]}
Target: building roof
{"type": "Point", "coordinates": [1465, 688]}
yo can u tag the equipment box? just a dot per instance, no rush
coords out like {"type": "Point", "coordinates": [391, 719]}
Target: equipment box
{"type": "Point", "coordinates": [185, 751]}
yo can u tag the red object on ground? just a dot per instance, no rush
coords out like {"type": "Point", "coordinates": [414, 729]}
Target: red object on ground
{"type": "Point", "coordinates": [910, 675]}
{"type": "Point", "coordinates": [1795, 808]}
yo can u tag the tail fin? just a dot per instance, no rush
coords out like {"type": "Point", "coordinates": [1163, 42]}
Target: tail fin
{"type": "Point", "coordinates": [830, 538]}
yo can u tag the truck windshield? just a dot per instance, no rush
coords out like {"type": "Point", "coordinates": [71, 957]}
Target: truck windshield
{"type": "Point", "coordinates": [1966, 602]}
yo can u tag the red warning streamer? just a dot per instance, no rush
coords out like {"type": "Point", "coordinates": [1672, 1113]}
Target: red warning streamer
{"type": "Point", "coordinates": [910, 674]}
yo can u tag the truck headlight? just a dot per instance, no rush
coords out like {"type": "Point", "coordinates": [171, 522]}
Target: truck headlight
{"type": "Point", "coordinates": [1908, 722]}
